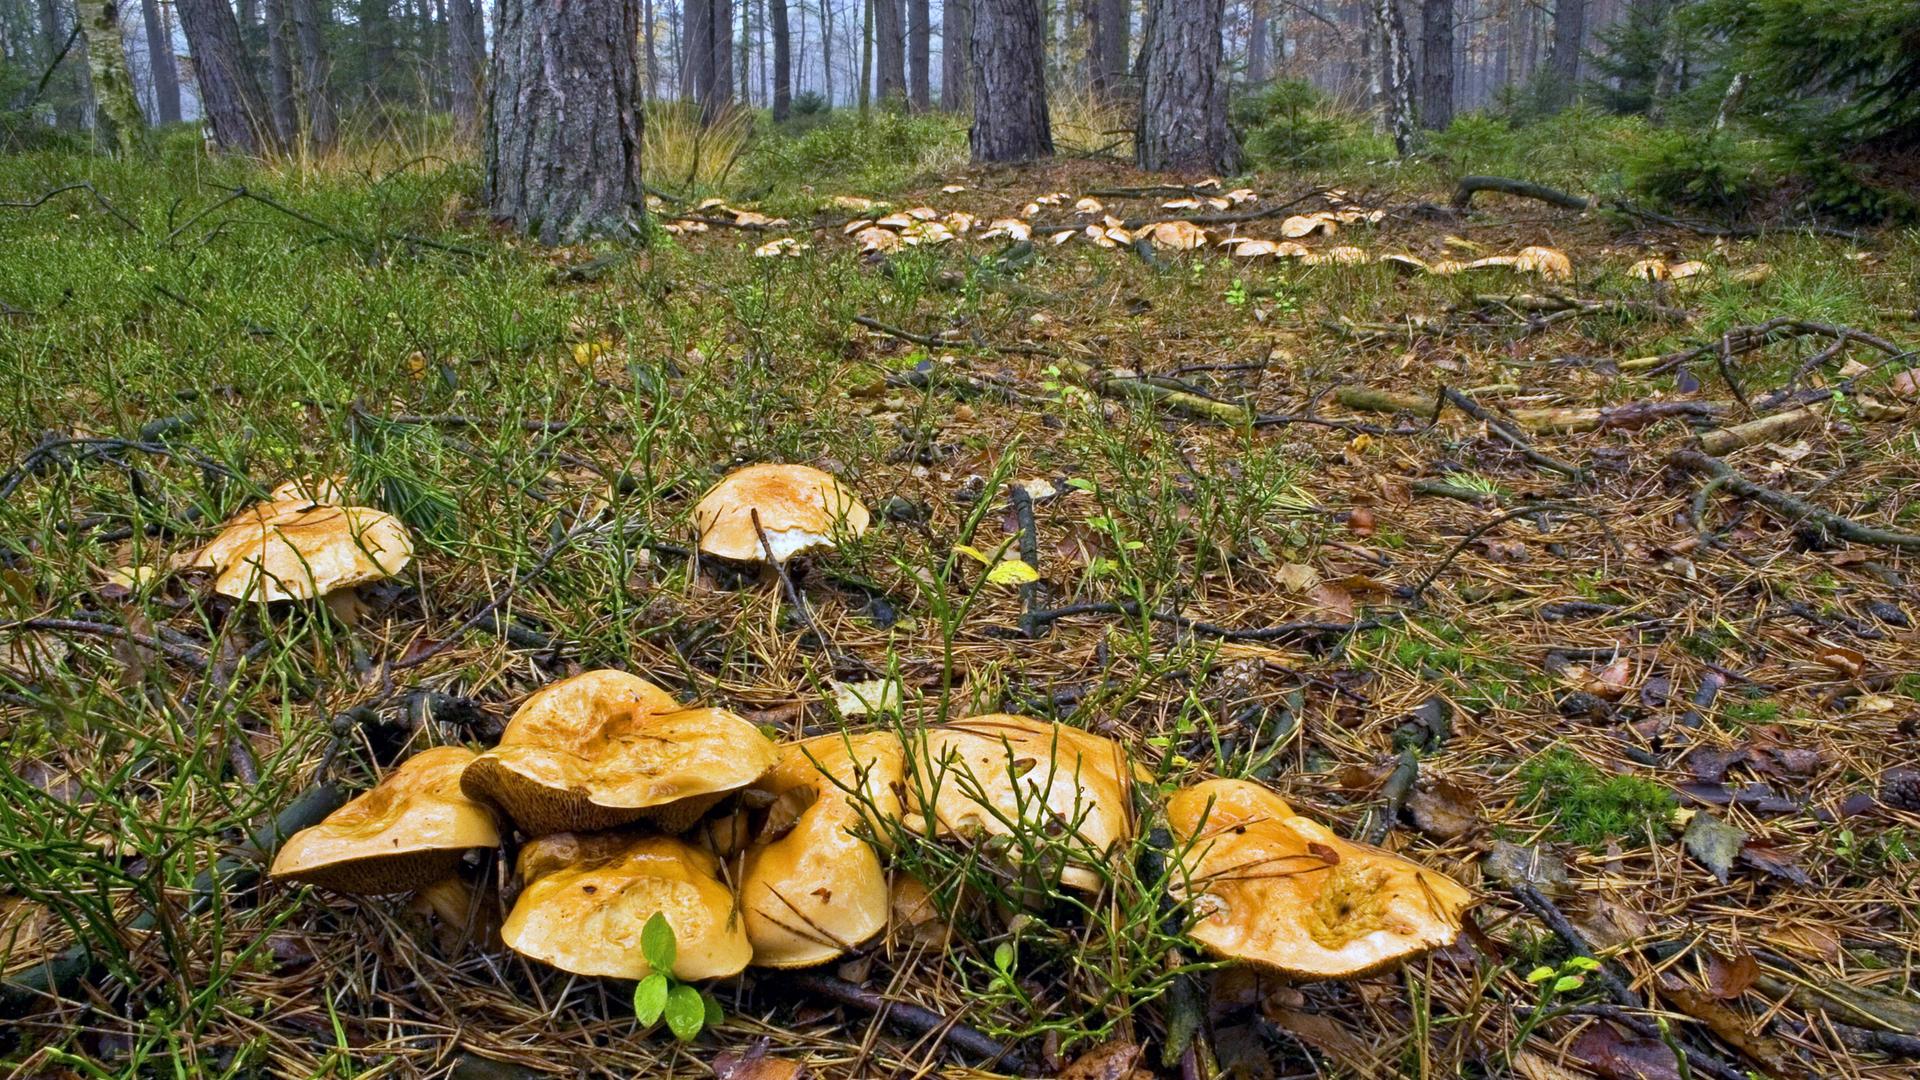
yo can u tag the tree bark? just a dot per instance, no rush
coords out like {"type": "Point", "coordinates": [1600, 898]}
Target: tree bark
{"type": "Point", "coordinates": [160, 61]}
{"type": "Point", "coordinates": [1107, 32]}
{"type": "Point", "coordinates": [563, 123]}
{"type": "Point", "coordinates": [890, 48]}
{"type": "Point", "coordinates": [956, 50]}
{"type": "Point", "coordinates": [826, 49]}
{"type": "Point", "coordinates": [1183, 94]}
{"type": "Point", "coordinates": [866, 57]}
{"type": "Point", "coordinates": [1396, 71]}
{"type": "Point", "coordinates": [466, 54]}
{"type": "Point", "coordinates": [376, 44]}
{"type": "Point", "coordinates": [782, 61]}
{"type": "Point", "coordinates": [1258, 39]}
{"type": "Point", "coordinates": [280, 101]}
{"type": "Point", "coordinates": [1009, 83]}
{"type": "Point", "coordinates": [1563, 56]}
{"type": "Point", "coordinates": [112, 82]}
{"type": "Point", "coordinates": [54, 32]}
{"type": "Point", "coordinates": [315, 96]}
{"type": "Point", "coordinates": [696, 34]}
{"type": "Point", "coordinates": [1436, 64]}
{"type": "Point", "coordinates": [648, 33]}
{"type": "Point", "coordinates": [920, 54]}
{"type": "Point", "coordinates": [230, 96]}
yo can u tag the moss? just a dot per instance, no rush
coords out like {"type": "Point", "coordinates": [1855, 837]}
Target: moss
{"type": "Point", "coordinates": [1590, 806]}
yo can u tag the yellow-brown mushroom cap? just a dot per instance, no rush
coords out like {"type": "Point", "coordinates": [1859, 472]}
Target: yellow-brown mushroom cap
{"type": "Point", "coordinates": [606, 748]}
{"type": "Point", "coordinates": [813, 887]}
{"type": "Point", "coordinates": [800, 508]}
{"type": "Point", "coordinates": [587, 899]}
{"type": "Point", "coordinates": [325, 490]}
{"type": "Point", "coordinates": [1279, 890]}
{"type": "Point", "coordinates": [408, 831]}
{"type": "Point", "coordinates": [299, 550]}
{"type": "Point", "coordinates": [988, 773]}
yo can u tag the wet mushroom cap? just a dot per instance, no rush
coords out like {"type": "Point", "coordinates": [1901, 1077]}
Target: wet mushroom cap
{"type": "Point", "coordinates": [299, 550]}
{"type": "Point", "coordinates": [812, 886]}
{"type": "Point", "coordinates": [606, 748]}
{"type": "Point", "coordinates": [1282, 891]}
{"type": "Point", "coordinates": [407, 832]}
{"type": "Point", "coordinates": [987, 772]}
{"type": "Point", "coordinates": [800, 508]}
{"type": "Point", "coordinates": [587, 899]}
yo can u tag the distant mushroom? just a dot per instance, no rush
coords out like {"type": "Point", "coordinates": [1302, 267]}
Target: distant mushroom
{"type": "Point", "coordinates": [408, 832]}
{"type": "Point", "coordinates": [606, 748]}
{"type": "Point", "coordinates": [585, 900]}
{"type": "Point", "coordinates": [811, 886]}
{"type": "Point", "coordinates": [301, 550]}
{"type": "Point", "coordinates": [997, 774]}
{"type": "Point", "coordinates": [1275, 889]}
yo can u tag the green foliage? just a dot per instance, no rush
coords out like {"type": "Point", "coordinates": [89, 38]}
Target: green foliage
{"type": "Point", "coordinates": [1686, 170]}
{"type": "Point", "coordinates": [1293, 125]}
{"type": "Point", "coordinates": [659, 996]}
{"type": "Point", "coordinates": [1476, 142]}
{"type": "Point", "coordinates": [1589, 806]}
{"type": "Point", "coordinates": [1848, 68]}
{"type": "Point", "coordinates": [811, 103]}
{"type": "Point", "coordinates": [885, 151]}
{"type": "Point", "coordinates": [1580, 147]}
{"type": "Point", "coordinates": [1628, 63]}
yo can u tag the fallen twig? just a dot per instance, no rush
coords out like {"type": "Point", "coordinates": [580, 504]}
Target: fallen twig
{"type": "Point", "coordinates": [1789, 506]}
{"type": "Point", "coordinates": [1512, 437]}
{"type": "Point", "coordinates": [909, 1017]}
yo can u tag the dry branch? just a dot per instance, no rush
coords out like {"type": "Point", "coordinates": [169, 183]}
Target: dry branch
{"type": "Point", "coordinates": [1767, 428]}
{"type": "Point", "coordinates": [1791, 507]}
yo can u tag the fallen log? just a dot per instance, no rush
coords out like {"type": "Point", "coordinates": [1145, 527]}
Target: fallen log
{"type": "Point", "coordinates": [1766, 429]}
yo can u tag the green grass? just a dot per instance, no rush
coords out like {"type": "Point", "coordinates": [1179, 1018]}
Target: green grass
{"type": "Point", "coordinates": [1589, 807]}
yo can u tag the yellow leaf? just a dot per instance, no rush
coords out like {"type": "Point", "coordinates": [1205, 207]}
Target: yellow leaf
{"type": "Point", "coordinates": [1012, 572]}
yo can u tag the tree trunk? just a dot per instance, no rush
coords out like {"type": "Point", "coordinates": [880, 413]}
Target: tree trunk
{"type": "Point", "coordinates": [919, 54]}
{"type": "Point", "coordinates": [890, 48]}
{"type": "Point", "coordinates": [956, 49]}
{"type": "Point", "coordinates": [230, 97]}
{"type": "Point", "coordinates": [696, 69]}
{"type": "Point", "coordinates": [866, 57]}
{"type": "Point", "coordinates": [648, 32]}
{"type": "Point", "coordinates": [720, 96]}
{"type": "Point", "coordinates": [315, 96]}
{"type": "Point", "coordinates": [1258, 38]}
{"type": "Point", "coordinates": [826, 48]}
{"type": "Point", "coordinates": [160, 61]}
{"type": "Point", "coordinates": [1116, 35]}
{"type": "Point", "coordinates": [376, 44]}
{"type": "Point", "coordinates": [112, 82]}
{"type": "Point", "coordinates": [466, 54]}
{"type": "Point", "coordinates": [782, 61]}
{"type": "Point", "coordinates": [1183, 94]}
{"type": "Point", "coordinates": [1436, 60]}
{"type": "Point", "coordinates": [1009, 83]}
{"type": "Point", "coordinates": [1563, 57]}
{"type": "Point", "coordinates": [286, 125]}
{"type": "Point", "coordinates": [54, 32]}
{"type": "Point", "coordinates": [563, 123]}
{"type": "Point", "coordinates": [1396, 73]}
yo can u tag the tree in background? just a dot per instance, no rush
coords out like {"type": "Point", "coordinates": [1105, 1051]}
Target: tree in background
{"type": "Point", "coordinates": [112, 82]}
{"type": "Point", "coordinates": [890, 48]}
{"type": "Point", "coordinates": [1436, 64]}
{"type": "Point", "coordinates": [919, 54]}
{"type": "Point", "coordinates": [1009, 83]}
{"type": "Point", "coordinates": [1183, 90]}
{"type": "Point", "coordinates": [956, 52]}
{"type": "Point", "coordinates": [782, 61]}
{"type": "Point", "coordinates": [1107, 32]}
{"type": "Point", "coordinates": [563, 118]}
{"type": "Point", "coordinates": [1848, 71]}
{"type": "Point", "coordinates": [467, 58]}
{"type": "Point", "coordinates": [163, 71]}
{"type": "Point", "coordinates": [1396, 73]}
{"type": "Point", "coordinates": [236, 110]}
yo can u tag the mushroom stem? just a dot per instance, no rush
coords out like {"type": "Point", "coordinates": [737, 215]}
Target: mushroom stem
{"type": "Point", "coordinates": [786, 581]}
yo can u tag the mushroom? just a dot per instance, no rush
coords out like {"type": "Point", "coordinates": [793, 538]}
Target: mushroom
{"type": "Point", "coordinates": [997, 774]}
{"type": "Point", "coordinates": [811, 886]}
{"type": "Point", "coordinates": [586, 900]}
{"type": "Point", "coordinates": [325, 490]}
{"type": "Point", "coordinates": [300, 550]}
{"type": "Point", "coordinates": [798, 509]}
{"type": "Point", "coordinates": [606, 748]}
{"type": "Point", "coordinates": [1278, 890]}
{"type": "Point", "coordinates": [409, 831]}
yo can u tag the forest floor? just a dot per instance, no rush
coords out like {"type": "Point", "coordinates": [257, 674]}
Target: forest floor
{"type": "Point", "coordinates": [1529, 642]}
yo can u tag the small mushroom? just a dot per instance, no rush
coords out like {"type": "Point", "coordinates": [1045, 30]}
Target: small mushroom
{"type": "Point", "coordinates": [797, 508]}
{"type": "Point", "coordinates": [988, 773]}
{"type": "Point", "coordinates": [409, 831]}
{"type": "Point", "coordinates": [1281, 891]}
{"type": "Point", "coordinates": [606, 748]}
{"type": "Point", "coordinates": [811, 886]}
{"type": "Point", "coordinates": [301, 550]}
{"type": "Point", "coordinates": [323, 490]}
{"type": "Point", "coordinates": [586, 900]}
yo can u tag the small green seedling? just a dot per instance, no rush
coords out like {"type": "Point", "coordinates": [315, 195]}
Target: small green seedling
{"type": "Point", "coordinates": [686, 1009]}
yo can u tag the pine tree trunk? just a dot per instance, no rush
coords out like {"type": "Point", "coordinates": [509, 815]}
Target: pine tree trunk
{"type": "Point", "coordinates": [956, 47]}
{"type": "Point", "coordinates": [1563, 56]}
{"type": "Point", "coordinates": [890, 48]}
{"type": "Point", "coordinates": [376, 45]}
{"type": "Point", "coordinates": [69, 106]}
{"type": "Point", "coordinates": [466, 57]}
{"type": "Point", "coordinates": [315, 96]}
{"type": "Point", "coordinates": [1183, 94]}
{"type": "Point", "coordinates": [696, 32]}
{"type": "Point", "coordinates": [866, 58]}
{"type": "Point", "coordinates": [230, 96]}
{"type": "Point", "coordinates": [1009, 83]}
{"type": "Point", "coordinates": [721, 41]}
{"type": "Point", "coordinates": [563, 123]}
{"type": "Point", "coordinates": [919, 54]}
{"type": "Point", "coordinates": [160, 61]}
{"type": "Point", "coordinates": [1258, 38]}
{"type": "Point", "coordinates": [782, 61]}
{"type": "Point", "coordinates": [648, 32]}
{"type": "Point", "coordinates": [1396, 73]}
{"type": "Point", "coordinates": [826, 48]}
{"type": "Point", "coordinates": [286, 125]}
{"type": "Point", "coordinates": [1436, 59]}
{"type": "Point", "coordinates": [1116, 36]}
{"type": "Point", "coordinates": [112, 82]}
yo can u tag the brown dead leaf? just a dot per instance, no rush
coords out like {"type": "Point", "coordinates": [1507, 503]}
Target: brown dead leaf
{"type": "Point", "coordinates": [1332, 601]}
{"type": "Point", "coordinates": [1622, 1057]}
{"type": "Point", "coordinates": [755, 1063]}
{"type": "Point", "coordinates": [1325, 1035]}
{"type": "Point", "coordinates": [1444, 810]}
{"type": "Point", "coordinates": [1115, 1060]}
{"type": "Point", "coordinates": [1848, 662]}
{"type": "Point", "coordinates": [1729, 976]}
{"type": "Point", "coordinates": [1360, 521]}
{"type": "Point", "coordinates": [1732, 1028]}
{"type": "Point", "coordinates": [1905, 385]}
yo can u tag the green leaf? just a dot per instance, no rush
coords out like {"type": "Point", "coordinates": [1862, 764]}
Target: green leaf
{"type": "Point", "coordinates": [1003, 956]}
{"type": "Point", "coordinates": [714, 1015]}
{"type": "Point", "coordinates": [686, 1012]}
{"type": "Point", "coordinates": [1539, 974]}
{"type": "Point", "coordinates": [1569, 982]}
{"type": "Point", "coordinates": [656, 944]}
{"type": "Point", "coordinates": [650, 999]}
